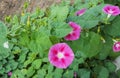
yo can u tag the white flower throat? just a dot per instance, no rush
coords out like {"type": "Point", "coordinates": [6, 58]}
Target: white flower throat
{"type": "Point", "coordinates": [111, 11]}
{"type": "Point", "coordinates": [117, 45]}
{"type": "Point", "coordinates": [60, 55]}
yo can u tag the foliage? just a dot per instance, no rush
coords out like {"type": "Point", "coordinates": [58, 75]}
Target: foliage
{"type": "Point", "coordinates": [30, 36]}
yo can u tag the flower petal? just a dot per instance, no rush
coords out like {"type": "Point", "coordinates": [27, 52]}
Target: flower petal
{"type": "Point", "coordinates": [65, 60]}
{"type": "Point", "coordinates": [116, 47]}
{"type": "Point", "coordinates": [75, 33]}
{"type": "Point", "coordinates": [110, 9]}
{"type": "Point", "coordinates": [80, 12]}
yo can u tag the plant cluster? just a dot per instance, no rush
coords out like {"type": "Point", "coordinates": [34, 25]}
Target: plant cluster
{"type": "Point", "coordinates": [84, 36]}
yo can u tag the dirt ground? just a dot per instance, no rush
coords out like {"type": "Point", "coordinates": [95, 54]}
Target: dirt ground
{"type": "Point", "coordinates": [11, 7]}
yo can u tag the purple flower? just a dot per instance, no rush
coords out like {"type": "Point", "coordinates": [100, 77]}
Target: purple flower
{"type": "Point", "coordinates": [9, 73]}
{"type": "Point", "coordinates": [75, 33]}
{"type": "Point", "coordinates": [61, 55]}
{"type": "Point", "coordinates": [111, 10]}
{"type": "Point", "coordinates": [80, 12]}
{"type": "Point", "coordinates": [116, 47]}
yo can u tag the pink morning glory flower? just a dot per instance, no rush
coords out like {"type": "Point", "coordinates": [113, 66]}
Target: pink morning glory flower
{"type": "Point", "coordinates": [116, 47]}
{"type": "Point", "coordinates": [80, 12]}
{"type": "Point", "coordinates": [75, 33]}
{"type": "Point", "coordinates": [61, 55]}
{"type": "Point", "coordinates": [9, 73]}
{"type": "Point", "coordinates": [111, 10]}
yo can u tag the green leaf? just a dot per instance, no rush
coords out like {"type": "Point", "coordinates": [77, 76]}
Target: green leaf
{"type": "Point", "coordinates": [3, 30]}
{"type": "Point", "coordinates": [114, 54]}
{"type": "Point", "coordinates": [59, 12]}
{"type": "Point", "coordinates": [15, 20]}
{"type": "Point", "coordinates": [90, 18]}
{"type": "Point", "coordinates": [49, 76]}
{"type": "Point", "coordinates": [4, 51]}
{"type": "Point", "coordinates": [84, 23]}
{"type": "Point", "coordinates": [37, 63]}
{"type": "Point", "coordinates": [45, 59]}
{"type": "Point", "coordinates": [68, 74]}
{"type": "Point", "coordinates": [13, 64]}
{"type": "Point", "coordinates": [84, 73]}
{"type": "Point", "coordinates": [75, 64]}
{"type": "Point", "coordinates": [24, 18]}
{"type": "Point", "coordinates": [24, 71]}
{"type": "Point", "coordinates": [105, 50]}
{"type": "Point", "coordinates": [39, 13]}
{"type": "Point", "coordinates": [58, 73]}
{"type": "Point", "coordinates": [22, 56]}
{"type": "Point", "coordinates": [8, 68]}
{"type": "Point", "coordinates": [35, 76]}
{"type": "Point", "coordinates": [54, 39]}
{"type": "Point", "coordinates": [30, 71]}
{"type": "Point", "coordinates": [118, 73]}
{"type": "Point", "coordinates": [4, 48]}
{"type": "Point", "coordinates": [113, 28]}
{"type": "Point", "coordinates": [31, 58]}
{"type": "Point", "coordinates": [15, 30]}
{"type": "Point", "coordinates": [89, 44]}
{"type": "Point", "coordinates": [24, 39]}
{"type": "Point", "coordinates": [101, 72]}
{"type": "Point", "coordinates": [40, 40]}
{"type": "Point", "coordinates": [112, 2]}
{"type": "Point", "coordinates": [50, 68]}
{"type": "Point", "coordinates": [41, 73]}
{"type": "Point", "coordinates": [110, 66]}
{"type": "Point", "coordinates": [45, 66]}
{"type": "Point", "coordinates": [16, 50]}
{"type": "Point", "coordinates": [2, 71]}
{"type": "Point", "coordinates": [61, 29]}
{"type": "Point", "coordinates": [17, 74]}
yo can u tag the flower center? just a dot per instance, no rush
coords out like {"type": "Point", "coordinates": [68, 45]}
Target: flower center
{"type": "Point", "coordinates": [110, 11]}
{"type": "Point", "coordinates": [117, 45]}
{"type": "Point", "coordinates": [60, 55]}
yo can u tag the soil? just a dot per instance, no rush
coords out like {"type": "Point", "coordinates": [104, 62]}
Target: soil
{"type": "Point", "coordinates": [11, 7]}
